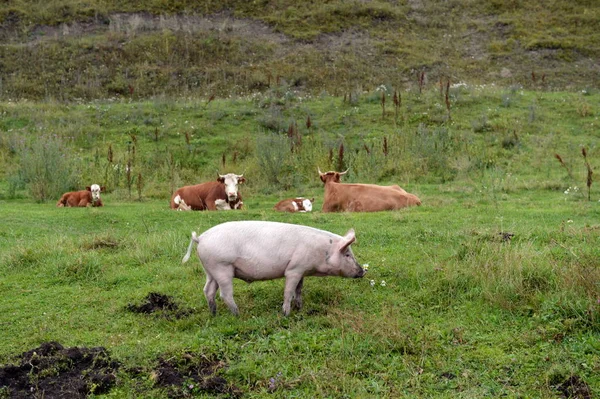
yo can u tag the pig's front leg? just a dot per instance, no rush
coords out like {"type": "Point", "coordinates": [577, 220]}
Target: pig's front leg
{"type": "Point", "coordinates": [291, 283]}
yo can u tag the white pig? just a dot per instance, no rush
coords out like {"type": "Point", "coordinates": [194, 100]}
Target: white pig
{"type": "Point", "coordinates": [258, 250]}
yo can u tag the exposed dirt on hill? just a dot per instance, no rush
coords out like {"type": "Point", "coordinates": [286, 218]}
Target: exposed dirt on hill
{"type": "Point", "coordinates": [53, 371]}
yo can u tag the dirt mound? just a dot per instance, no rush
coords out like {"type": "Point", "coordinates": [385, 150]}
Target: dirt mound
{"type": "Point", "coordinates": [52, 371]}
{"type": "Point", "coordinates": [192, 374]}
{"type": "Point", "coordinates": [159, 303]}
{"type": "Point", "coordinates": [575, 387]}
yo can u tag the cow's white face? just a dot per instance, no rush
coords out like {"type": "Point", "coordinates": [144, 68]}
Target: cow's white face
{"type": "Point", "coordinates": [231, 181]}
{"type": "Point", "coordinates": [95, 190]}
{"type": "Point", "coordinates": [307, 204]}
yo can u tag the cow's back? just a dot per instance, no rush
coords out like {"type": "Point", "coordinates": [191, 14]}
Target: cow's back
{"type": "Point", "coordinates": [286, 205]}
{"type": "Point", "coordinates": [198, 196]}
{"type": "Point", "coordinates": [366, 198]}
{"type": "Point", "coordinates": [75, 199]}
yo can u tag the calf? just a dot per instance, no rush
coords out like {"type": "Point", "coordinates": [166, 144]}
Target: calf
{"type": "Point", "coordinates": [258, 250]}
{"type": "Point", "coordinates": [298, 204]}
{"type": "Point", "coordinates": [341, 197]}
{"type": "Point", "coordinates": [221, 194]}
{"type": "Point", "coordinates": [83, 198]}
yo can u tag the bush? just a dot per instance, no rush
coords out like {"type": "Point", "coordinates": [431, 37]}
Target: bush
{"type": "Point", "coordinates": [46, 168]}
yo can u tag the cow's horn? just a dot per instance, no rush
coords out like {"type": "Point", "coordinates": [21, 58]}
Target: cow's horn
{"type": "Point", "coordinates": [319, 169]}
{"type": "Point", "coordinates": [343, 173]}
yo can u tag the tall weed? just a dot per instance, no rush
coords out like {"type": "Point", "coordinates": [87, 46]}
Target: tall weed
{"type": "Point", "coordinates": [46, 168]}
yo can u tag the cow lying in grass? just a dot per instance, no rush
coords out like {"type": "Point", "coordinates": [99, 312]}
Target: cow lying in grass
{"type": "Point", "coordinates": [340, 197]}
{"type": "Point", "coordinates": [220, 194]}
{"type": "Point", "coordinates": [88, 197]}
{"type": "Point", "coordinates": [298, 204]}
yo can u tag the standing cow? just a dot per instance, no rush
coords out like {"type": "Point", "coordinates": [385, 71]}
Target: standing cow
{"type": "Point", "coordinates": [89, 196]}
{"type": "Point", "coordinates": [220, 194]}
{"type": "Point", "coordinates": [298, 204]}
{"type": "Point", "coordinates": [258, 250]}
{"type": "Point", "coordinates": [340, 197]}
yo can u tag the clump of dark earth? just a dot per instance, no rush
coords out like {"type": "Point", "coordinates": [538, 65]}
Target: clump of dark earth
{"type": "Point", "coordinates": [574, 387]}
{"type": "Point", "coordinates": [159, 303]}
{"type": "Point", "coordinates": [191, 374]}
{"type": "Point", "coordinates": [53, 371]}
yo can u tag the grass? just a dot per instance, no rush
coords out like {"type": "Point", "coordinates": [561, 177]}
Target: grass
{"type": "Point", "coordinates": [463, 313]}
{"type": "Point", "coordinates": [491, 286]}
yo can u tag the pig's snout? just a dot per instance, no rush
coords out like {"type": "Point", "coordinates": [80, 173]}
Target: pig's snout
{"type": "Point", "coordinates": [361, 273]}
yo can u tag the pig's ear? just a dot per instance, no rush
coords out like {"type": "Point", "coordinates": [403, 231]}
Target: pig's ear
{"type": "Point", "coordinates": [348, 239]}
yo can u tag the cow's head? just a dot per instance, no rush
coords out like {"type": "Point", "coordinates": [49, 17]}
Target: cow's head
{"type": "Point", "coordinates": [331, 176]}
{"type": "Point", "coordinates": [304, 204]}
{"type": "Point", "coordinates": [231, 181]}
{"type": "Point", "coordinates": [95, 190]}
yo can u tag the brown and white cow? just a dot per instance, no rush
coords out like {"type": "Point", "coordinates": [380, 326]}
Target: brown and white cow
{"type": "Point", "coordinates": [220, 194]}
{"type": "Point", "coordinates": [298, 204]}
{"type": "Point", "coordinates": [89, 196]}
{"type": "Point", "coordinates": [340, 197]}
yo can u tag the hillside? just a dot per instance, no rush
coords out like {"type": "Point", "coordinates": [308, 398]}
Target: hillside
{"type": "Point", "coordinates": [101, 49]}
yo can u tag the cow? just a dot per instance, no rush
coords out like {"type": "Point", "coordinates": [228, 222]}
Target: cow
{"type": "Point", "coordinates": [340, 197]}
{"type": "Point", "coordinates": [260, 250]}
{"type": "Point", "coordinates": [220, 194]}
{"type": "Point", "coordinates": [298, 204]}
{"type": "Point", "coordinates": [88, 197]}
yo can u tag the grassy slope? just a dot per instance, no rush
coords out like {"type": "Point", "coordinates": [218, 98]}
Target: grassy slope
{"type": "Point", "coordinates": [180, 49]}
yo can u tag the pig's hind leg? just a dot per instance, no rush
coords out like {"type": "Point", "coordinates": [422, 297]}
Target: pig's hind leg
{"type": "Point", "coordinates": [297, 302]}
{"type": "Point", "coordinates": [210, 290]}
{"type": "Point", "coordinates": [224, 279]}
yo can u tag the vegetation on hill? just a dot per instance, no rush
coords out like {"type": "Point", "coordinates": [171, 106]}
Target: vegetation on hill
{"type": "Point", "coordinates": [279, 139]}
{"type": "Point", "coordinates": [137, 49]}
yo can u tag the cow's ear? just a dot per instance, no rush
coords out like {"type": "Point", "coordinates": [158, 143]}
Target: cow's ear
{"type": "Point", "coordinates": [241, 180]}
{"type": "Point", "coordinates": [221, 179]}
{"type": "Point", "coordinates": [348, 239]}
{"type": "Point", "coordinates": [312, 199]}
{"type": "Point", "coordinates": [102, 188]}
{"type": "Point", "coordinates": [88, 188]}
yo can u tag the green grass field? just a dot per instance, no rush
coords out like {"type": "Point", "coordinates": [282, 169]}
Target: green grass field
{"type": "Point", "coordinates": [464, 311]}
{"type": "Point", "coordinates": [490, 288]}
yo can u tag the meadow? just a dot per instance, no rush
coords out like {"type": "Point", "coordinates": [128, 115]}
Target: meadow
{"type": "Point", "coordinates": [490, 288]}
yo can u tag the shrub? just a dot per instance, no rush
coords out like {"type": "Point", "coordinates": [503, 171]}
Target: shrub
{"type": "Point", "coordinates": [46, 168]}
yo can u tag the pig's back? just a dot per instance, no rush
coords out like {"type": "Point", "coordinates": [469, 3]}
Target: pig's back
{"type": "Point", "coordinates": [231, 240]}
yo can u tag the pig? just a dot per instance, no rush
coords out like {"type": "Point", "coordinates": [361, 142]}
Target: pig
{"type": "Point", "coordinates": [260, 250]}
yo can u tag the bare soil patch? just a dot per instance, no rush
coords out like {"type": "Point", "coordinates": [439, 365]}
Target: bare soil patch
{"type": "Point", "coordinates": [191, 374]}
{"type": "Point", "coordinates": [53, 371]}
{"type": "Point", "coordinates": [164, 305]}
{"type": "Point", "coordinates": [574, 387]}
